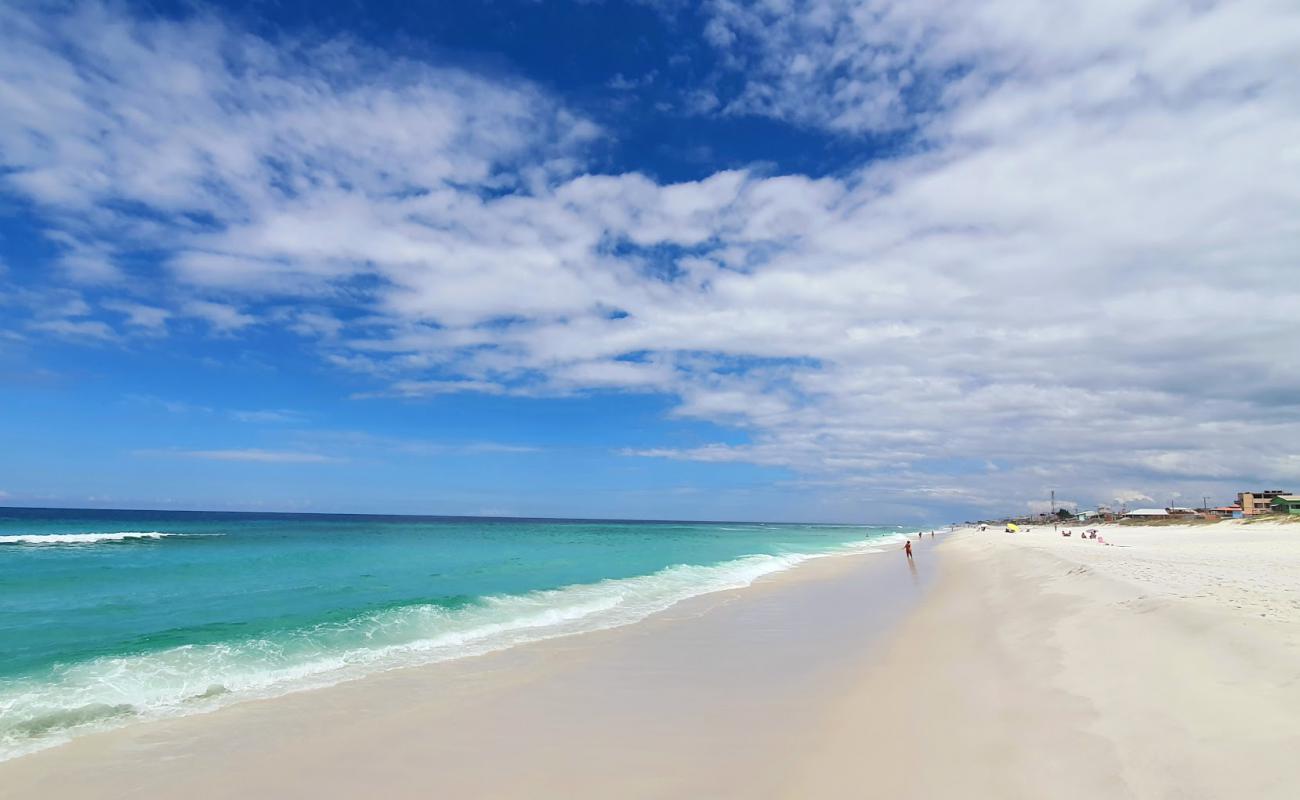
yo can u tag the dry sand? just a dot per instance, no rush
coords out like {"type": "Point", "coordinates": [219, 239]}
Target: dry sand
{"type": "Point", "coordinates": [1166, 666]}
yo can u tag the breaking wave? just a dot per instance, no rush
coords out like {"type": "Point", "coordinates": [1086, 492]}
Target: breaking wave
{"type": "Point", "coordinates": [86, 538]}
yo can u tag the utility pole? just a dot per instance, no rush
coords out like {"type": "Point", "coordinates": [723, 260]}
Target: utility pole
{"type": "Point", "coordinates": [1205, 503]}
{"type": "Point", "coordinates": [1053, 502]}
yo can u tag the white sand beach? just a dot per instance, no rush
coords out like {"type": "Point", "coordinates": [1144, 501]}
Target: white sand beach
{"type": "Point", "coordinates": [1165, 665]}
{"type": "Point", "coordinates": [998, 666]}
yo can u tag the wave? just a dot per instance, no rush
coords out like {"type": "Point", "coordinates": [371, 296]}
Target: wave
{"type": "Point", "coordinates": [64, 718]}
{"type": "Point", "coordinates": [104, 692]}
{"type": "Point", "coordinates": [85, 538]}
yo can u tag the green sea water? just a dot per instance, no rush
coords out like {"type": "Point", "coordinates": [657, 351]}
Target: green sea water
{"type": "Point", "coordinates": [113, 616]}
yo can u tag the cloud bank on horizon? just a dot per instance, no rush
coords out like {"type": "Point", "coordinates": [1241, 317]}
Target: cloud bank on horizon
{"type": "Point", "coordinates": [1073, 263]}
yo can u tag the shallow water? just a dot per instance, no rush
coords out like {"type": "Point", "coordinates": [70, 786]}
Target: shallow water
{"type": "Point", "coordinates": [112, 616]}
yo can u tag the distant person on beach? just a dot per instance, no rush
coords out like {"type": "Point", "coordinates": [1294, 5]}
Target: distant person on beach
{"type": "Point", "coordinates": [907, 548]}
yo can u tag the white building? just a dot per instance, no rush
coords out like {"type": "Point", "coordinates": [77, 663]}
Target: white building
{"type": "Point", "coordinates": [1147, 512]}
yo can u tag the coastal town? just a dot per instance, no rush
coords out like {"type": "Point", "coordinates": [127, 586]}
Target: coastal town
{"type": "Point", "coordinates": [1273, 503]}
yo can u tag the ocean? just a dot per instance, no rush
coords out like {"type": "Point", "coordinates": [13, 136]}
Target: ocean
{"type": "Point", "coordinates": [112, 616]}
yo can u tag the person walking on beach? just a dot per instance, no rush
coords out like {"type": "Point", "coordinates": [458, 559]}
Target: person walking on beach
{"type": "Point", "coordinates": [907, 548]}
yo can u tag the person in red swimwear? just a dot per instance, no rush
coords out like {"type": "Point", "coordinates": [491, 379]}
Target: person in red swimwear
{"type": "Point", "coordinates": [907, 548]}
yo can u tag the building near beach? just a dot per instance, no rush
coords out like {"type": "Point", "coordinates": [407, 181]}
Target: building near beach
{"type": "Point", "coordinates": [1253, 503]}
{"type": "Point", "coordinates": [1139, 513]}
{"type": "Point", "coordinates": [1225, 512]}
{"type": "Point", "coordinates": [1285, 504]}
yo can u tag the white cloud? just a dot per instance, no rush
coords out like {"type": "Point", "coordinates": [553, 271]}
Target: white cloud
{"type": "Point", "coordinates": [84, 330]}
{"type": "Point", "coordinates": [497, 447]}
{"type": "Point", "coordinates": [318, 324]}
{"type": "Point", "coordinates": [222, 317]}
{"type": "Point", "coordinates": [103, 108]}
{"type": "Point", "coordinates": [257, 455]}
{"type": "Point", "coordinates": [433, 388]}
{"type": "Point", "coordinates": [1080, 265]}
{"type": "Point", "coordinates": [60, 313]}
{"type": "Point", "coordinates": [1125, 496]}
{"type": "Point", "coordinates": [149, 319]}
{"type": "Point", "coordinates": [881, 65]}
{"type": "Point", "coordinates": [366, 445]}
{"type": "Point", "coordinates": [88, 265]}
{"type": "Point", "coordinates": [170, 406]}
{"type": "Point", "coordinates": [268, 416]}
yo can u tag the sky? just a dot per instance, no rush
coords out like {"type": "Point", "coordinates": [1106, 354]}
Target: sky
{"type": "Point", "coordinates": [796, 260]}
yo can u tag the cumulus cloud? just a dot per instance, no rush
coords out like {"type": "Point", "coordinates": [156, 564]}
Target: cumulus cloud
{"type": "Point", "coordinates": [881, 65]}
{"type": "Point", "coordinates": [1079, 265]}
{"type": "Point", "coordinates": [1125, 496]}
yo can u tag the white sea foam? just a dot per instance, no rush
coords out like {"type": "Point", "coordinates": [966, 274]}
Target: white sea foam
{"type": "Point", "coordinates": [35, 714]}
{"type": "Point", "coordinates": [84, 538]}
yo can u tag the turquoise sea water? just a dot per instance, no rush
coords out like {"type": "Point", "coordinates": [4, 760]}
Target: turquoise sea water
{"type": "Point", "coordinates": [112, 616]}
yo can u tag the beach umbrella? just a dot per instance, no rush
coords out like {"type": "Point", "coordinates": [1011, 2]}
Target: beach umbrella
{"type": "Point", "coordinates": [1013, 527]}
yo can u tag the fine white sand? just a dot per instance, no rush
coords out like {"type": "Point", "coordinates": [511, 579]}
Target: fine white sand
{"type": "Point", "coordinates": [1164, 666]}
{"type": "Point", "coordinates": [1231, 566]}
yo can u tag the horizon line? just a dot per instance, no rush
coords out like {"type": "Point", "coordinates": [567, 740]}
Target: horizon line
{"type": "Point", "coordinates": [483, 517]}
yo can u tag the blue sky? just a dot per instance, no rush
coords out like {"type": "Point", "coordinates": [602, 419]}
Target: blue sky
{"type": "Point", "coordinates": [803, 260]}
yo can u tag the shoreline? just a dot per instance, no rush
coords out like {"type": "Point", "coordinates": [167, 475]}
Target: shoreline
{"type": "Point", "coordinates": [501, 622]}
{"type": "Point", "coordinates": [725, 633]}
{"type": "Point", "coordinates": [994, 666]}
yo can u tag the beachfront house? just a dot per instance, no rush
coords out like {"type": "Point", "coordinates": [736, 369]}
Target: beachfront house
{"type": "Point", "coordinates": [1225, 512]}
{"type": "Point", "coordinates": [1146, 513]}
{"type": "Point", "coordinates": [1253, 503]}
{"type": "Point", "coordinates": [1286, 504]}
